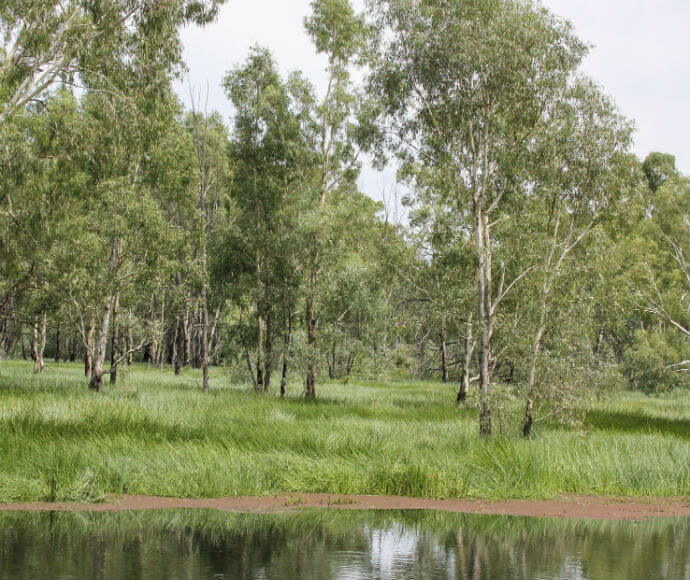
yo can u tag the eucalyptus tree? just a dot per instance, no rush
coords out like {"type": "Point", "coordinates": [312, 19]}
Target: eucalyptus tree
{"type": "Point", "coordinates": [355, 299]}
{"type": "Point", "coordinates": [38, 187]}
{"type": "Point", "coordinates": [45, 43]}
{"type": "Point", "coordinates": [663, 264]}
{"type": "Point", "coordinates": [441, 278]}
{"type": "Point", "coordinates": [464, 87]}
{"type": "Point", "coordinates": [130, 76]}
{"type": "Point", "coordinates": [123, 55]}
{"type": "Point", "coordinates": [273, 165]}
{"type": "Point", "coordinates": [209, 137]}
{"type": "Point", "coordinates": [16, 265]}
{"type": "Point", "coordinates": [120, 235]}
{"type": "Point", "coordinates": [339, 34]}
{"type": "Point", "coordinates": [255, 89]}
{"type": "Point", "coordinates": [640, 280]}
{"type": "Point", "coordinates": [41, 42]}
{"type": "Point", "coordinates": [613, 253]}
{"type": "Point", "coordinates": [579, 179]}
{"type": "Point", "coordinates": [172, 175]}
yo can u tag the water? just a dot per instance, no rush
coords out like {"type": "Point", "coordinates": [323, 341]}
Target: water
{"type": "Point", "coordinates": [324, 545]}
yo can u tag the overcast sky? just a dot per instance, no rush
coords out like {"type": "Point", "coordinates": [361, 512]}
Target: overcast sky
{"type": "Point", "coordinates": [640, 55]}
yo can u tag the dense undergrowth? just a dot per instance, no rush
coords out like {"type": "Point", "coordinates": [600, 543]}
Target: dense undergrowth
{"type": "Point", "coordinates": [158, 434]}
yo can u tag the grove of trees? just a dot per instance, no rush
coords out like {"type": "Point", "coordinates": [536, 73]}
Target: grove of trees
{"type": "Point", "coordinates": [541, 260]}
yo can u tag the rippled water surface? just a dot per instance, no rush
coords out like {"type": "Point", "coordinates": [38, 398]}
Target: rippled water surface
{"type": "Point", "coordinates": [352, 544]}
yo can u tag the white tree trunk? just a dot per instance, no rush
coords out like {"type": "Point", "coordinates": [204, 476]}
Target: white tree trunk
{"type": "Point", "coordinates": [104, 323]}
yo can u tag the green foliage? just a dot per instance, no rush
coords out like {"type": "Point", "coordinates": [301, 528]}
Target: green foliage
{"type": "Point", "coordinates": [336, 30]}
{"type": "Point", "coordinates": [658, 167]}
{"type": "Point", "coordinates": [650, 362]}
{"type": "Point", "coordinates": [538, 252]}
{"type": "Point", "coordinates": [104, 44]}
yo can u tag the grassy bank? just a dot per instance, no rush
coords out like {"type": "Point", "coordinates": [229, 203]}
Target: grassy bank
{"type": "Point", "coordinates": [157, 434]}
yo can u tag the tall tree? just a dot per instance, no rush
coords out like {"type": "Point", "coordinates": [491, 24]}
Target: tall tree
{"type": "Point", "coordinates": [210, 139]}
{"type": "Point", "coordinates": [339, 34]}
{"type": "Point", "coordinates": [662, 260]}
{"type": "Point", "coordinates": [273, 165]}
{"type": "Point", "coordinates": [465, 86]}
{"type": "Point", "coordinates": [578, 181]}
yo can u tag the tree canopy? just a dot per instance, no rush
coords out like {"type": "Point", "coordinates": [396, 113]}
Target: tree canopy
{"type": "Point", "coordinates": [540, 259]}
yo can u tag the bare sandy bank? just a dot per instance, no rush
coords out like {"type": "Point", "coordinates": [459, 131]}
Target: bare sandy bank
{"type": "Point", "coordinates": [574, 507]}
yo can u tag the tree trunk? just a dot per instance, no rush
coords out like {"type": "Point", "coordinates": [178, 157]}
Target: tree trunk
{"type": "Point", "coordinates": [104, 326]}
{"type": "Point", "coordinates": [259, 385]}
{"type": "Point", "coordinates": [467, 367]}
{"type": "Point", "coordinates": [3, 336]}
{"type": "Point", "coordinates": [195, 340]}
{"type": "Point", "coordinates": [151, 354]}
{"type": "Point", "coordinates": [186, 338]}
{"type": "Point", "coordinates": [310, 385]}
{"type": "Point", "coordinates": [204, 339]}
{"type": "Point", "coordinates": [115, 340]}
{"type": "Point", "coordinates": [13, 348]}
{"type": "Point", "coordinates": [161, 351]}
{"type": "Point", "coordinates": [38, 343]}
{"type": "Point", "coordinates": [444, 359]}
{"type": "Point", "coordinates": [331, 362]}
{"type": "Point", "coordinates": [268, 359]}
{"type": "Point", "coordinates": [175, 352]}
{"type": "Point", "coordinates": [248, 361]}
{"type": "Point", "coordinates": [130, 343]}
{"type": "Point", "coordinates": [529, 407]}
{"type": "Point", "coordinates": [484, 314]}
{"type": "Point", "coordinates": [101, 344]}
{"type": "Point", "coordinates": [536, 346]}
{"type": "Point", "coordinates": [58, 345]}
{"type": "Point", "coordinates": [350, 364]}
{"type": "Point", "coordinates": [261, 325]}
{"type": "Point", "coordinates": [42, 340]}
{"type": "Point", "coordinates": [213, 340]}
{"type": "Point", "coordinates": [287, 343]}
{"type": "Point", "coordinates": [34, 341]}
{"type": "Point", "coordinates": [283, 378]}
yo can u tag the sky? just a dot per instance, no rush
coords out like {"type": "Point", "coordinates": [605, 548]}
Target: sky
{"type": "Point", "coordinates": [640, 56]}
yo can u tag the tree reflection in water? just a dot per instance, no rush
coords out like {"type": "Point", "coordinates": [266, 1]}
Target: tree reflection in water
{"type": "Point", "coordinates": [191, 545]}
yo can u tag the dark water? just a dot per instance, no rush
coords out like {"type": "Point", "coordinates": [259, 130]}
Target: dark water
{"type": "Point", "coordinates": [193, 545]}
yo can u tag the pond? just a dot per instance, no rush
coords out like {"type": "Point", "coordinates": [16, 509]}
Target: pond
{"type": "Point", "coordinates": [332, 544]}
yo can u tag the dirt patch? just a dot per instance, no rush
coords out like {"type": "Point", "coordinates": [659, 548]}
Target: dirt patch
{"type": "Point", "coordinates": [575, 507]}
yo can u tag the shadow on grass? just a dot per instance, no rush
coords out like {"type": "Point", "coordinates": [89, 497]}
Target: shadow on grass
{"type": "Point", "coordinates": [637, 423]}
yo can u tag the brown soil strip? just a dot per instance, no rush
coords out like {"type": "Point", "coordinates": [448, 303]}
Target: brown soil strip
{"type": "Point", "coordinates": [575, 507]}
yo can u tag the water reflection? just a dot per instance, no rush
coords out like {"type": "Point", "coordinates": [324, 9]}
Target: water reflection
{"type": "Point", "coordinates": [346, 545]}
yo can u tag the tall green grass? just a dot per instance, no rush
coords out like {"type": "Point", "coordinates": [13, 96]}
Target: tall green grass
{"type": "Point", "coordinates": [157, 434]}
